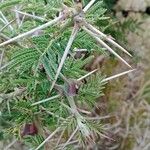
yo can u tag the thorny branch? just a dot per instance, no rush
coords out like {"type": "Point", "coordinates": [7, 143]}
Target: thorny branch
{"type": "Point", "coordinates": [92, 31]}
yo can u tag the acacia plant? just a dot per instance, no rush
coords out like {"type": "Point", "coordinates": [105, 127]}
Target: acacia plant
{"type": "Point", "coordinates": [46, 92]}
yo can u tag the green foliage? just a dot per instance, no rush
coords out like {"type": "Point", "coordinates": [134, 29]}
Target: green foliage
{"type": "Point", "coordinates": [24, 59]}
{"type": "Point", "coordinates": [34, 66]}
{"type": "Point", "coordinates": [92, 90]}
{"type": "Point", "coordinates": [95, 14]}
{"type": "Point", "coordinates": [9, 3]}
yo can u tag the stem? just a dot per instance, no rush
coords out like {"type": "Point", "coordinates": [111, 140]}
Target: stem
{"type": "Point", "coordinates": [80, 120]}
{"type": "Point", "coordinates": [105, 45]}
{"type": "Point", "coordinates": [33, 30]}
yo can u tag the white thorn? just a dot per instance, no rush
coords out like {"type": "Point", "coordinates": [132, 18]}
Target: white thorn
{"type": "Point", "coordinates": [105, 45]}
{"type": "Point", "coordinates": [92, 28]}
{"type": "Point", "coordinates": [32, 31]}
{"type": "Point", "coordinates": [88, 74]}
{"type": "Point", "coordinates": [69, 44]}
{"type": "Point", "coordinates": [117, 75]}
{"type": "Point", "coordinates": [29, 15]}
{"type": "Point", "coordinates": [45, 100]}
{"type": "Point", "coordinates": [88, 6]}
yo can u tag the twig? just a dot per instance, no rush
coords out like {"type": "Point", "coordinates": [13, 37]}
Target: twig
{"type": "Point", "coordinates": [118, 75]}
{"type": "Point", "coordinates": [105, 45]}
{"type": "Point", "coordinates": [92, 28]}
{"type": "Point", "coordinates": [48, 138]}
{"type": "Point", "coordinates": [88, 6]}
{"type": "Point", "coordinates": [33, 30]}
{"type": "Point", "coordinates": [72, 37]}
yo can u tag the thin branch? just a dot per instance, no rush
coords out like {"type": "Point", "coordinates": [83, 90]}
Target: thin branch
{"type": "Point", "coordinates": [29, 15]}
{"type": "Point", "coordinates": [45, 100]}
{"type": "Point", "coordinates": [93, 29]}
{"type": "Point", "coordinates": [33, 30]}
{"type": "Point", "coordinates": [88, 6]}
{"type": "Point", "coordinates": [105, 45]}
{"type": "Point", "coordinates": [118, 75]}
{"type": "Point", "coordinates": [88, 74]}
{"type": "Point", "coordinates": [48, 138]}
{"type": "Point", "coordinates": [72, 37]}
